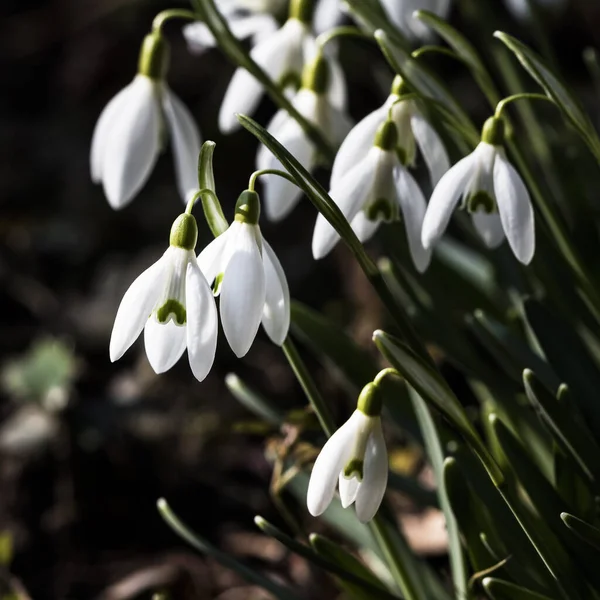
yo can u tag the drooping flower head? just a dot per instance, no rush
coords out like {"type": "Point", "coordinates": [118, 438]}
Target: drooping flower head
{"type": "Point", "coordinates": [249, 279]}
{"type": "Point", "coordinates": [134, 127]}
{"type": "Point", "coordinates": [355, 458]}
{"type": "Point", "coordinates": [493, 193]}
{"type": "Point", "coordinates": [312, 102]}
{"type": "Point", "coordinates": [174, 305]}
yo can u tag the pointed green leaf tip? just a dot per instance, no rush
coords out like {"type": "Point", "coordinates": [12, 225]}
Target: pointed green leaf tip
{"type": "Point", "coordinates": [154, 56]}
{"type": "Point", "coordinates": [247, 207]}
{"type": "Point", "coordinates": [184, 232]}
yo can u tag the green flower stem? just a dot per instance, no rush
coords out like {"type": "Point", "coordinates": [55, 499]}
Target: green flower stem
{"type": "Point", "coordinates": [338, 32]}
{"type": "Point", "coordinates": [213, 212]}
{"type": "Point", "coordinates": [240, 56]}
{"type": "Point", "coordinates": [257, 174]}
{"type": "Point", "coordinates": [190, 205]}
{"type": "Point", "coordinates": [526, 96]}
{"type": "Point", "coordinates": [174, 13]}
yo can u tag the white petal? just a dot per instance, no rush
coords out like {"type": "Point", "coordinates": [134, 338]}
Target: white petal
{"type": "Point", "coordinates": [185, 140]}
{"type": "Point", "coordinates": [372, 489]}
{"type": "Point", "coordinates": [327, 15]}
{"type": "Point", "coordinates": [350, 196]}
{"type": "Point", "coordinates": [276, 125]}
{"type": "Point", "coordinates": [135, 308]}
{"type": "Point", "coordinates": [431, 147]}
{"type": "Point", "coordinates": [444, 199]}
{"type": "Point", "coordinates": [199, 37]}
{"type": "Point", "coordinates": [243, 291]}
{"type": "Point", "coordinates": [363, 227]}
{"type": "Point", "coordinates": [357, 144]}
{"type": "Point", "coordinates": [348, 490]}
{"type": "Point", "coordinates": [328, 466]}
{"type": "Point", "coordinates": [132, 148]}
{"type": "Point", "coordinates": [514, 205]}
{"type": "Point", "coordinates": [413, 206]}
{"type": "Point", "coordinates": [103, 131]}
{"type": "Point", "coordinates": [211, 260]}
{"type": "Point", "coordinates": [337, 94]}
{"type": "Point", "coordinates": [274, 54]}
{"type": "Point", "coordinates": [489, 227]}
{"type": "Point", "coordinates": [202, 322]}
{"type": "Point", "coordinates": [276, 313]}
{"type": "Point", "coordinates": [165, 343]}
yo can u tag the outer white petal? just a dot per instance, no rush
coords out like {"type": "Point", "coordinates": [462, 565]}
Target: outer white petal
{"type": "Point", "coordinates": [165, 343]}
{"type": "Point", "coordinates": [275, 126]}
{"type": "Point", "coordinates": [211, 259]}
{"type": "Point", "coordinates": [357, 144]}
{"type": "Point", "coordinates": [363, 227]}
{"type": "Point", "coordinates": [243, 291]}
{"type": "Point", "coordinates": [431, 147]}
{"type": "Point", "coordinates": [444, 199]}
{"type": "Point", "coordinates": [328, 466]}
{"type": "Point", "coordinates": [327, 15]}
{"type": "Point", "coordinates": [337, 94]}
{"type": "Point", "coordinates": [276, 313]}
{"type": "Point", "coordinates": [514, 206]}
{"type": "Point", "coordinates": [372, 489]}
{"type": "Point", "coordinates": [202, 325]}
{"type": "Point", "coordinates": [199, 37]}
{"type": "Point", "coordinates": [185, 140]}
{"type": "Point", "coordinates": [348, 490]}
{"type": "Point", "coordinates": [274, 54]}
{"type": "Point", "coordinates": [103, 131]}
{"type": "Point", "coordinates": [413, 206]}
{"type": "Point", "coordinates": [489, 227]}
{"type": "Point", "coordinates": [135, 308]}
{"type": "Point", "coordinates": [350, 196]}
{"type": "Point", "coordinates": [132, 148]}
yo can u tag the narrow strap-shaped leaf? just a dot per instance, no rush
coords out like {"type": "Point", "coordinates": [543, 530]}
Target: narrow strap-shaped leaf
{"type": "Point", "coordinates": [371, 14]}
{"type": "Point", "coordinates": [504, 590]}
{"type": "Point", "coordinates": [588, 533]}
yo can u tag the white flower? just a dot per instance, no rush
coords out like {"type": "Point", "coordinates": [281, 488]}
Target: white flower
{"type": "Point", "coordinates": [174, 305]}
{"type": "Point", "coordinates": [249, 279]}
{"type": "Point", "coordinates": [129, 137]}
{"type": "Point", "coordinates": [413, 131]}
{"type": "Point", "coordinates": [328, 14]}
{"type": "Point", "coordinates": [280, 196]}
{"type": "Point", "coordinates": [356, 457]}
{"type": "Point", "coordinates": [401, 14]}
{"type": "Point", "coordinates": [379, 188]}
{"type": "Point", "coordinates": [495, 195]}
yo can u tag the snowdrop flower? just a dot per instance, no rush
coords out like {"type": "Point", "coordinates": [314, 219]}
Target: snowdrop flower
{"type": "Point", "coordinates": [401, 14]}
{"type": "Point", "coordinates": [249, 279]}
{"type": "Point", "coordinates": [130, 132]}
{"type": "Point", "coordinates": [313, 103]}
{"type": "Point", "coordinates": [414, 132]}
{"type": "Point", "coordinates": [493, 193]}
{"type": "Point", "coordinates": [521, 9]}
{"type": "Point", "coordinates": [282, 56]}
{"type": "Point", "coordinates": [379, 188]}
{"type": "Point", "coordinates": [355, 456]}
{"type": "Point", "coordinates": [174, 305]}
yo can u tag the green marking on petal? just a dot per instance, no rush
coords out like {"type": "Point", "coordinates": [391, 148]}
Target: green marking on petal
{"type": "Point", "coordinates": [290, 79]}
{"type": "Point", "coordinates": [481, 200]}
{"type": "Point", "coordinates": [354, 469]}
{"type": "Point", "coordinates": [172, 308]}
{"type": "Point", "coordinates": [380, 209]}
{"type": "Point", "coordinates": [217, 284]}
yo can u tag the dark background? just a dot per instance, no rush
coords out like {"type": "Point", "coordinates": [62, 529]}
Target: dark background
{"type": "Point", "coordinates": [77, 497]}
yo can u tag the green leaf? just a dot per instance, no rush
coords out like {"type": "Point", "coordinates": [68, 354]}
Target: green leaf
{"type": "Point", "coordinates": [252, 400]}
{"type": "Point", "coordinates": [254, 577]}
{"type": "Point", "coordinates": [504, 590]}
{"type": "Point", "coordinates": [555, 90]}
{"type": "Point", "coordinates": [588, 533]}
{"type": "Point", "coordinates": [372, 16]}
{"type": "Point", "coordinates": [206, 180]}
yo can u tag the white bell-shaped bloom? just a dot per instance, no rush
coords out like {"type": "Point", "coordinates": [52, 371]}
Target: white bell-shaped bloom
{"type": "Point", "coordinates": [174, 305]}
{"type": "Point", "coordinates": [130, 132]}
{"type": "Point", "coordinates": [328, 14]}
{"type": "Point", "coordinates": [355, 457]}
{"type": "Point", "coordinates": [379, 188]}
{"type": "Point", "coordinates": [521, 9]}
{"type": "Point", "coordinates": [494, 194]}
{"type": "Point", "coordinates": [312, 102]}
{"type": "Point", "coordinates": [401, 14]}
{"type": "Point", "coordinates": [414, 132]}
{"type": "Point", "coordinates": [248, 278]}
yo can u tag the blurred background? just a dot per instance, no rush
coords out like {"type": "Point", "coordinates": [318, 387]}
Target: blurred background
{"type": "Point", "coordinates": [86, 446]}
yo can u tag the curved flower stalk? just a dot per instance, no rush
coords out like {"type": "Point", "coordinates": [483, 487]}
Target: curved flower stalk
{"type": "Point", "coordinates": [401, 12]}
{"type": "Point", "coordinates": [379, 188]}
{"type": "Point", "coordinates": [312, 101]}
{"type": "Point", "coordinates": [249, 279]}
{"type": "Point", "coordinates": [174, 305]}
{"type": "Point", "coordinates": [132, 130]}
{"type": "Point", "coordinates": [283, 56]}
{"type": "Point", "coordinates": [355, 458]}
{"type": "Point", "coordinates": [414, 132]}
{"type": "Point", "coordinates": [493, 193]}
{"type": "Point", "coordinates": [246, 19]}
